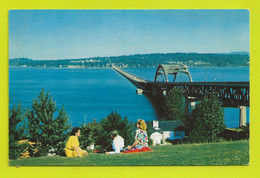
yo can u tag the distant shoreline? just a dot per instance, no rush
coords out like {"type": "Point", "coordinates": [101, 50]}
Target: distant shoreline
{"type": "Point", "coordinates": [123, 67]}
{"type": "Point", "coordinates": [58, 67]}
{"type": "Point", "coordinates": [141, 61]}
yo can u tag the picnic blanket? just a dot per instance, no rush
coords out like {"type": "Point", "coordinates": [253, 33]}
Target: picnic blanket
{"type": "Point", "coordinates": [97, 151]}
{"type": "Point", "coordinates": [144, 149]}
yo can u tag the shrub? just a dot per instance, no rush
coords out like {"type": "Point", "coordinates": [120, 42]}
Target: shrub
{"type": "Point", "coordinates": [244, 134]}
{"type": "Point", "coordinates": [89, 133]}
{"type": "Point", "coordinates": [177, 141]}
{"type": "Point", "coordinates": [207, 120]}
{"type": "Point", "coordinates": [114, 122]}
{"type": "Point", "coordinates": [149, 132]}
{"type": "Point", "coordinates": [235, 134]}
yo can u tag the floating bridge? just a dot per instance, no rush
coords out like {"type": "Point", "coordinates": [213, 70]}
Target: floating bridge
{"type": "Point", "coordinates": [232, 94]}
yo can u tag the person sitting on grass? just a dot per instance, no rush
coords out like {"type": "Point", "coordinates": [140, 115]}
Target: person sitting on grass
{"type": "Point", "coordinates": [72, 148]}
{"type": "Point", "coordinates": [141, 138]}
{"type": "Point", "coordinates": [117, 144]}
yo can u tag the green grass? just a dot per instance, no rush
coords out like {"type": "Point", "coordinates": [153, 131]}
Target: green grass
{"type": "Point", "coordinates": [223, 153]}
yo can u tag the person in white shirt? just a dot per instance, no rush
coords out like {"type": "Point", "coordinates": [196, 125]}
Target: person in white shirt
{"type": "Point", "coordinates": [117, 144]}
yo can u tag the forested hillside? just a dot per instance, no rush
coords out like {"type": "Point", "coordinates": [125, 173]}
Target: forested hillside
{"type": "Point", "coordinates": [142, 60]}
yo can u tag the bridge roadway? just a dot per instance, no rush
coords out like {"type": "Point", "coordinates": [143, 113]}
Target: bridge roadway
{"type": "Point", "coordinates": [232, 94]}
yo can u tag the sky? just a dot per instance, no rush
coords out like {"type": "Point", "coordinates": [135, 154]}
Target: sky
{"type": "Point", "coordinates": [67, 34]}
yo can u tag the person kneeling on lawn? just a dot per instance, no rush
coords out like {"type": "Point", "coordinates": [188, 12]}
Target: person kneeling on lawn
{"type": "Point", "coordinates": [117, 144]}
{"type": "Point", "coordinates": [72, 148]}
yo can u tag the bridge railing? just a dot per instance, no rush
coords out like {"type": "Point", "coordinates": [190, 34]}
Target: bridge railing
{"type": "Point", "coordinates": [129, 76]}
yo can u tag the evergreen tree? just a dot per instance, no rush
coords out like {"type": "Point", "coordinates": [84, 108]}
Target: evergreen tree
{"type": "Point", "coordinates": [114, 122]}
{"type": "Point", "coordinates": [207, 120]}
{"type": "Point", "coordinates": [16, 132]}
{"type": "Point", "coordinates": [47, 133]}
{"type": "Point", "coordinates": [174, 105]}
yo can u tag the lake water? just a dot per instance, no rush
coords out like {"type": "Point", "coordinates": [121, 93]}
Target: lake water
{"type": "Point", "coordinates": [94, 93]}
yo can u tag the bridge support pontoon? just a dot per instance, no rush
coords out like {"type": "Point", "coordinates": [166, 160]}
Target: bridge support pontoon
{"type": "Point", "coordinates": [139, 91]}
{"type": "Point", "coordinates": [190, 105]}
{"type": "Point", "coordinates": [242, 116]}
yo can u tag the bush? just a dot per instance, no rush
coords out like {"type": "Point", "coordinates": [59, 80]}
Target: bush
{"type": "Point", "coordinates": [149, 132]}
{"type": "Point", "coordinates": [244, 134]}
{"type": "Point", "coordinates": [114, 122]}
{"type": "Point", "coordinates": [207, 120]}
{"type": "Point", "coordinates": [235, 134]}
{"type": "Point", "coordinates": [177, 141]}
{"type": "Point", "coordinates": [89, 133]}
{"type": "Point", "coordinates": [230, 135]}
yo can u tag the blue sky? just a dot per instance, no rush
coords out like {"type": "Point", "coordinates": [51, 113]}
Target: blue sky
{"type": "Point", "coordinates": [64, 34]}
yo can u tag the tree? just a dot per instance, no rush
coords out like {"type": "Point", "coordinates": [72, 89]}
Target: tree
{"type": "Point", "coordinates": [174, 105]}
{"type": "Point", "coordinates": [114, 122]}
{"type": "Point", "coordinates": [47, 134]}
{"type": "Point", "coordinates": [16, 132]}
{"type": "Point", "coordinates": [207, 120]}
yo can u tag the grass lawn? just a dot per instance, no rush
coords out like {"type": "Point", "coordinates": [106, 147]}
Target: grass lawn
{"type": "Point", "coordinates": [223, 153]}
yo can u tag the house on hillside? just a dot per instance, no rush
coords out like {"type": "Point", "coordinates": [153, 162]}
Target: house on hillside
{"type": "Point", "coordinates": [164, 130]}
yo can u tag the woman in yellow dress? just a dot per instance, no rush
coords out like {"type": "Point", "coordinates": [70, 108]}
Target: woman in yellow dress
{"type": "Point", "coordinates": [72, 148]}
